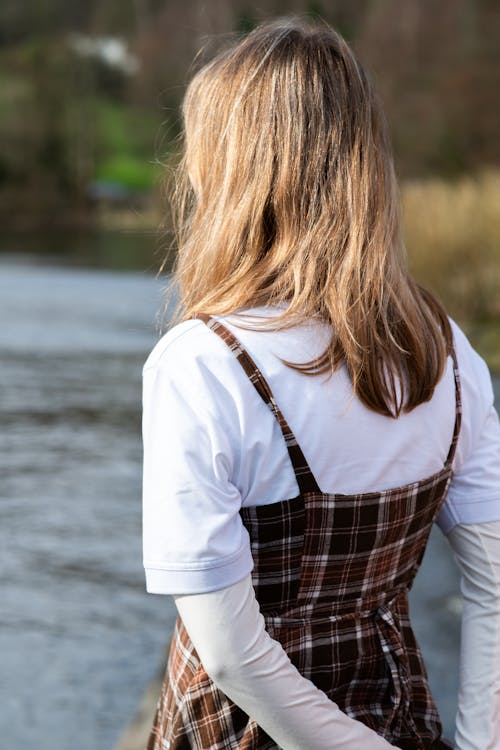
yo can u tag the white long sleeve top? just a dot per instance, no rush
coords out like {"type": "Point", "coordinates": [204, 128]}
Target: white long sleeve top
{"type": "Point", "coordinates": [211, 446]}
{"type": "Point", "coordinates": [477, 551]}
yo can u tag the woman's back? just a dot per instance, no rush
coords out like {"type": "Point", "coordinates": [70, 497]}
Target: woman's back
{"type": "Point", "coordinates": [350, 558]}
{"type": "Point", "coordinates": [350, 448]}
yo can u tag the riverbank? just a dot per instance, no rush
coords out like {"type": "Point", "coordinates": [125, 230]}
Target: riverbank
{"type": "Point", "coordinates": [136, 733]}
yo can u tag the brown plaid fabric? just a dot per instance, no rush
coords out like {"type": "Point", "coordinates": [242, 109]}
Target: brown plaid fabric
{"type": "Point", "coordinates": [331, 575]}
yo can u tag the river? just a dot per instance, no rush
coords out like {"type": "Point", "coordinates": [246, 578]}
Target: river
{"type": "Point", "coordinates": [79, 637]}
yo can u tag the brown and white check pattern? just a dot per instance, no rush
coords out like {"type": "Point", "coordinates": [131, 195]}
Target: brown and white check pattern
{"type": "Point", "coordinates": [331, 575]}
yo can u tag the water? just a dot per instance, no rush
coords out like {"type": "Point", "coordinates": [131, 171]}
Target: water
{"type": "Point", "coordinates": [79, 637]}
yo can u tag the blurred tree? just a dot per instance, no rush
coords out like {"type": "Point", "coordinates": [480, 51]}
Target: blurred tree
{"type": "Point", "coordinates": [67, 118]}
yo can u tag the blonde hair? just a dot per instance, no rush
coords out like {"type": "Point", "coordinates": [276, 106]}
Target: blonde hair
{"type": "Point", "coordinates": [287, 194]}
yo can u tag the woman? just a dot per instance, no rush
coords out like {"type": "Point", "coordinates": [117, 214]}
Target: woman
{"type": "Point", "coordinates": [306, 423]}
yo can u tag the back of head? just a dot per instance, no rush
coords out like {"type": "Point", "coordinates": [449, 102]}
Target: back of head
{"type": "Point", "coordinates": [287, 193]}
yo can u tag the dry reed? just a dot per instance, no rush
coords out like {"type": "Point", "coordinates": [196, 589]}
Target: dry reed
{"type": "Point", "coordinates": [452, 232]}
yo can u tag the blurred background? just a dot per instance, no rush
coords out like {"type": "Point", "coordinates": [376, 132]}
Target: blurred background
{"type": "Point", "coordinates": [89, 96]}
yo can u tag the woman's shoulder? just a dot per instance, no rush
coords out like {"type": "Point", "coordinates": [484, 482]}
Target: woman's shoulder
{"type": "Point", "coordinates": [191, 361]}
{"type": "Point", "coordinates": [187, 342]}
{"type": "Point", "coordinates": [193, 341]}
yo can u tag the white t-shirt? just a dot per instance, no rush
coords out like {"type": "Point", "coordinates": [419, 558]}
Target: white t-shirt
{"type": "Point", "coordinates": [212, 446]}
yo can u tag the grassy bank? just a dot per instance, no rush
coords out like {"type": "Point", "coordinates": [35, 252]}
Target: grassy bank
{"type": "Point", "coordinates": [453, 239]}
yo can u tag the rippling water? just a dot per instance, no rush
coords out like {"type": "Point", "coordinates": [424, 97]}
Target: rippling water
{"type": "Point", "coordinates": [79, 637]}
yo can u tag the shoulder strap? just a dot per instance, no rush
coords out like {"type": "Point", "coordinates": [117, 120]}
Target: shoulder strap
{"type": "Point", "coordinates": [458, 409]}
{"type": "Point", "coordinates": [303, 473]}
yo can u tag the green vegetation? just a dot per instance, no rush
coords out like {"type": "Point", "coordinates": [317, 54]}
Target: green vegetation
{"type": "Point", "coordinates": [128, 171]}
{"type": "Point", "coordinates": [485, 337]}
{"type": "Point", "coordinates": [124, 136]}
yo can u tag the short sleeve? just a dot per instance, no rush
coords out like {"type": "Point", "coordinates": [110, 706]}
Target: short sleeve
{"type": "Point", "coordinates": [194, 540]}
{"type": "Point", "coordinates": [474, 495]}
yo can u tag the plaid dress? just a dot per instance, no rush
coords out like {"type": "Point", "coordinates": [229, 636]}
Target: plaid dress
{"type": "Point", "coordinates": [331, 574]}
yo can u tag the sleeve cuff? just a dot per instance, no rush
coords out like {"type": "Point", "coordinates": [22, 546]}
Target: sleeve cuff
{"type": "Point", "coordinates": [469, 512]}
{"type": "Point", "coordinates": [199, 580]}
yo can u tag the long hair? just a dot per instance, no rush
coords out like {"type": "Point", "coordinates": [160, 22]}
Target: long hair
{"type": "Point", "coordinates": [287, 194]}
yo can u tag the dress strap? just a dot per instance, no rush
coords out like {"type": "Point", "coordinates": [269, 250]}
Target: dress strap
{"type": "Point", "coordinates": [458, 409]}
{"type": "Point", "coordinates": [303, 474]}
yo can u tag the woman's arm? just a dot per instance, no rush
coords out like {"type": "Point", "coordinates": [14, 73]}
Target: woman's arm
{"type": "Point", "coordinates": [253, 670]}
{"type": "Point", "coordinates": [477, 550]}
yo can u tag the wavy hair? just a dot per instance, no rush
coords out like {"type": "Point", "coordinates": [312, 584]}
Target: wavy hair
{"type": "Point", "coordinates": [286, 194]}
